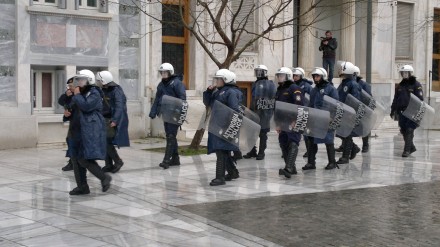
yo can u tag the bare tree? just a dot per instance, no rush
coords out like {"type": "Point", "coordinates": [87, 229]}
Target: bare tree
{"type": "Point", "coordinates": [230, 27]}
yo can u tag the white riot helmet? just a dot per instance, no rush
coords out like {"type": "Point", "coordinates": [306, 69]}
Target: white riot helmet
{"type": "Point", "coordinates": [286, 71]}
{"type": "Point", "coordinates": [406, 71]}
{"type": "Point", "coordinates": [347, 68]}
{"type": "Point", "coordinates": [320, 71]}
{"type": "Point", "coordinates": [227, 76]}
{"type": "Point", "coordinates": [299, 71]}
{"type": "Point", "coordinates": [84, 77]}
{"type": "Point", "coordinates": [167, 67]}
{"type": "Point", "coordinates": [105, 77]}
{"type": "Point", "coordinates": [260, 71]}
{"type": "Point", "coordinates": [357, 71]}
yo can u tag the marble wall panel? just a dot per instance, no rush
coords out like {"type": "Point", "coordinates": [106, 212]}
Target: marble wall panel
{"type": "Point", "coordinates": [130, 87]}
{"type": "Point", "coordinates": [128, 57]}
{"type": "Point", "coordinates": [7, 89]}
{"type": "Point", "coordinates": [7, 52]}
{"type": "Point", "coordinates": [128, 25]}
{"type": "Point", "coordinates": [52, 34]}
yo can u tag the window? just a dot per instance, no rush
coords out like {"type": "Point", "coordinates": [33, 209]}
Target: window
{"type": "Point", "coordinates": [88, 3]}
{"type": "Point", "coordinates": [404, 30]}
{"type": "Point", "coordinates": [46, 2]}
{"type": "Point", "coordinates": [175, 38]}
{"type": "Point", "coordinates": [43, 91]}
{"type": "Point", "coordinates": [249, 12]}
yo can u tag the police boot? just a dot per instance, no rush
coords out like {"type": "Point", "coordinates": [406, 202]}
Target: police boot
{"type": "Point", "coordinates": [347, 146]}
{"type": "Point", "coordinates": [80, 178]}
{"type": "Point", "coordinates": [251, 154]}
{"type": "Point", "coordinates": [331, 157]}
{"type": "Point", "coordinates": [175, 161]}
{"type": "Point", "coordinates": [311, 159]}
{"type": "Point", "coordinates": [231, 168]}
{"type": "Point", "coordinates": [408, 143]}
{"type": "Point", "coordinates": [238, 155]}
{"type": "Point", "coordinates": [113, 153]}
{"type": "Point", "coordinates": [354, 150]}
{"type": "Point", "coordinates": [306, 141]}
{"type": "Point", "coordinates": [411, 138]}
{"type": "Point", "coordinates": [365, 144]}
{"type": "Point", "coordinates": [263, 146]}
{"type": "Point", "coordinates": [108, 163]}
{"type": "Point", "coordinates": [219, 169]}
{"type": "Point", "coordinates": [168, 153]}
{"type": "Point", "coordinates": [290, 168]}
{"type": "Point", "coordinates": [68, 166]}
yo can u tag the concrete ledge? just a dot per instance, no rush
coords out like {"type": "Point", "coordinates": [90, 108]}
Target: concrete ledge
{"type": "Point", "coordinates": [18, 132]}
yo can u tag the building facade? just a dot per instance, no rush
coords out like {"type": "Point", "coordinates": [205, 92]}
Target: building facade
{"type": "Point", "coordinates": [44, 42]}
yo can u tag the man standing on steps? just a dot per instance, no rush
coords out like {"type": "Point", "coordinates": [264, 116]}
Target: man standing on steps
{"type": "Point", "coordinates": [328, 47]}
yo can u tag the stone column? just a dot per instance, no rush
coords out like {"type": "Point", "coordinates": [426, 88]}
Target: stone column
{"type": "Point", "coordinates": [347, 41]}
{"type": "Point", "coordinates": [307, 48]}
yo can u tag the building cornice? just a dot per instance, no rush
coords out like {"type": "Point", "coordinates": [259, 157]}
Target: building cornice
{"type": "Point", "coordinates": [88, 14]}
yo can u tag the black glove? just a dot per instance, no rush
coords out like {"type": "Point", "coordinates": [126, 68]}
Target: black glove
{"type": "Point", "coordinates": [392, 114]}
{"type": "Point", "coordinates": [152, 115]}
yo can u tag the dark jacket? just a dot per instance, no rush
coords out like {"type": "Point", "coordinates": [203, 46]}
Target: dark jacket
{"type": "Point", "coordinates": [401, 100]}
{"type": "Point", "coordinates": [231, 96]}
{"type": "Point", "coordinates": [289, 92]}
{"type": "Point", "coordinates": [65, 102]}
{"type": "Point", "coordinates": [171, 86]}
{"type": "Point", "coordinates": [364, 85]}
{"type": "Point", "coordinates": [93, 132]}
{"type": "Point", "coordinates": [117, 102]}
{"type": "Point", "coordinates": [328, 51]}
{"type": "Point", "coordinates": [349, 86]}
{"type": "Point", "coordinates": [305, 85]}
{"type": "Point", "coordinates": [317, 101]}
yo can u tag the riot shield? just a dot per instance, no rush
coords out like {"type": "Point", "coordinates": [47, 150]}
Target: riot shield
{"type": "Point", "coordinates": [419, 112]}
{"type": "Point", "coordinates": [342, 116]}
{"type": "Point", "coordinates": [302, 119]}
{"type": "Point", "coordinates": [263, 101]}
{"type": "Point", "coordinates": [233, 127]}
{"type": "Point", "coordinates": [249, 114]}
{"type": "Point", "coordinates": [173, 110]}
{"type": "Point", "coordinates": [365, 118]}
{"type": "Point", "coordinates": [378, 108]}
{"type": "Point", "coordinates": [306, 99]}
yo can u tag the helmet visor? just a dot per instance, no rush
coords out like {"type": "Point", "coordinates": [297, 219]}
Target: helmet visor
{"type": "Point", "coordinates": [80, 81]}
{"type": "Point", "coordinates": [260, 73]}
{"type": "Point", "coordinates": [405, 74]}
{"type": "Point", "coordinates": [164, 74]}
{"type": "Point", "coordinates": [281, 77]}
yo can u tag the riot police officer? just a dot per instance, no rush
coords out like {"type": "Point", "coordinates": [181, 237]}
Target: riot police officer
{"type": "Point", "coordinates": [88, 141]}
{"type": "Point", "coordinates": [224, 90]}
{"type": "Point", "coordinates": [348, 86]}
{"type": "Point", "coordinates": [367, 88]}
{"type": "Point", "coordinates": [172, 86]}
{"type": "Point", "coordinates": [65, 101]}
{"type": "Point", "coordinates": [288, 92]}
{"type": "Point", "coordinates": [263, 90]}
{"type": "Point", "coordinates": [116, 118]}
{"type": "Point", "coordinates": [306, 87]}
{"type": "Point", "coordinates": [409, 85]}
{"type": "Point", "coordinates": [322, 88]}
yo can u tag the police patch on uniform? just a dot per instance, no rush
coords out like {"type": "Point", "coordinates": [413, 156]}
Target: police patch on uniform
{"type": "Point", "coordinates": [321, 91]}
{"type": "Point", "coordinates": [345, 89]}
{"type": "Point", "coordinates": [298, 98]}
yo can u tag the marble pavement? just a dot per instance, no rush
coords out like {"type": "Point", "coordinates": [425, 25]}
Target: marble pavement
{"type": "Point", "coordinates": [143, 206]}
